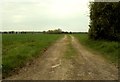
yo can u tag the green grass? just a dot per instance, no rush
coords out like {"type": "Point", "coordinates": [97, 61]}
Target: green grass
{"type": "Point", "coordinates": [17, 49]}
{"type": "Point", "coordinates": [70, 52]}
{"type": "Point", "coordinates": [108, 49]}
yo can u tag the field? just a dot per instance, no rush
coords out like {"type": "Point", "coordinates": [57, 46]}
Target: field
{"type": "Point", "coordinates": [20, 48]}
{"type": "Point", "coordinates": [108, 49]}
{"type": "Point", "coordinates": [57, 57]}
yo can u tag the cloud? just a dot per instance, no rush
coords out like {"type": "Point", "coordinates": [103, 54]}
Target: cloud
{"type": "Point", "coordinates": [45, 14]}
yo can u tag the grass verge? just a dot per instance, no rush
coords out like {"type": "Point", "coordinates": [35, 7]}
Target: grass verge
{"type": "Point", "coordinates": [108, 49]}
{"type": "Point", "coordinates": [70, 52]}
{"type": "Point", "coordinates": [17, 49]}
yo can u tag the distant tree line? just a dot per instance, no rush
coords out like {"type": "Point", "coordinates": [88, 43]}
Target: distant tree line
{"type": "Point", "coordinates": [55, 31]}
{"type": "Point", "coordinates": [105, 20]}
{"type": "Point", "coordinates": [18, 32]}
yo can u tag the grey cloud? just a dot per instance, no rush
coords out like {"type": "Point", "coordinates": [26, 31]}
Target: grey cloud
{"type": "Point", "coordinates": [35, 15]}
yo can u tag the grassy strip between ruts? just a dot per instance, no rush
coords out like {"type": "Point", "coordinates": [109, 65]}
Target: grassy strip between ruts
{"type": "Point", "coordinates": [108, 49]}
{"type": "Point", "coordinates": [20, 48]}
{"type": "Point", "coordinates": [70, 52]}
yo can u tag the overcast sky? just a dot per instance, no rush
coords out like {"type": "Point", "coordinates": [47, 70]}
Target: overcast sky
{"type": "Point", "coordinates": [39, 15]}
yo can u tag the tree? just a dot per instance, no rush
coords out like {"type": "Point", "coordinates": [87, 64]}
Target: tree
{"type": "Point", "coordinates": [104, 20]}
{"type": "Point", "coordinates": [56, 31]}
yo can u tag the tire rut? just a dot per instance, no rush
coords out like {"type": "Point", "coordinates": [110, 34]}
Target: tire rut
{"type": "Point", "coordinates": [90, 66]}
{"type": "Point", "coordinates": [47, 67]}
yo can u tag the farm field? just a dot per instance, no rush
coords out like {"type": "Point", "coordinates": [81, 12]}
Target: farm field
{"type": "Point", "coordinates": [108, 49]}
{"type": "Point", "coordinates": [66, 59]}
{"type": "Point", "coordinates": [21, 48]}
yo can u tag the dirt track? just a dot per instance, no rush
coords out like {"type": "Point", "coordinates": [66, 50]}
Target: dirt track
{"type": "Point", "coordinates": [53, 66]}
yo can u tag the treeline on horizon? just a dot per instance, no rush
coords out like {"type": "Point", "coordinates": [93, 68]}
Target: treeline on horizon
{"type": "Point", "coordinates": [55, 31]}
{"type": "Point", "coordinates": [105, 21]}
